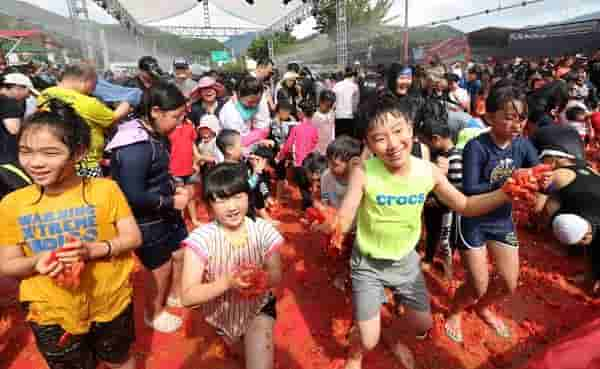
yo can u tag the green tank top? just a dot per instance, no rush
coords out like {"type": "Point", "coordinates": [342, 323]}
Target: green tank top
{"type": "Point", "coordinates": [389, 216]}
{"type": "Point", "coordinates": [467, 134]}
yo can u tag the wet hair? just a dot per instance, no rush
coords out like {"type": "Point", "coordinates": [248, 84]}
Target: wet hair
{"type": "Point", "coordinates": [80, 71]}
{"type": "Point", "coordinates": [293, 67]}
{"type": "Point", "coordinates": [349, 72]}
{"type": "Point", "coordinates": [343, 148]}
{"type": "Point", "coordinates": [572, 113]}
{"type": "Point", "coordinates": [505, 92]}
{"type": "Point", "coordinates": [226, 138]}
{"type": "Point", "coordinates": [315, 163]}
{"type": "Point", "coordinates": [385, 106]}
{"type": "Point", "coordinates": [433, 128]}
{"type": "Point", "coordinates": [249, 86]}
{"type": "Point", "coordinates": [327, 95]}
{"type": "Point", "coordinates": [308, 107]}
{"type": "Point", "coordinates": [225, 180]}
{"type": "Point", "coordinates": [284, 105]}
{"type": "Point", "coordinates": [62, 120]}
{"type": "Point", "coordinates": [65, 124]}
{"type": "Point", "coordinates": [164, 96]}
{"type": "Point", "coordinates": [264, 62]}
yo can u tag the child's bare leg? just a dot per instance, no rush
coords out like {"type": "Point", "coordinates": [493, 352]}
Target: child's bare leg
{"type": "Point", "coordinates": [258, 343]}
{"type": "Point", "coordinates": [364, 339]}
{"type": "Point", "coordinates": [416, 323]}
{"type": "Point", "coordinates": [175, 293]}
{"type": "Point", "coordinates": [475, 287]}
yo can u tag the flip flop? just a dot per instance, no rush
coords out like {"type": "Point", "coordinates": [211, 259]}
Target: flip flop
{"type": "Point", "coordinates": [453, 334]}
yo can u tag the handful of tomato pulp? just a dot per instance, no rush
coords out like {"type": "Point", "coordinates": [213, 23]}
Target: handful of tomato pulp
{"type": "Point", "coordinates": [70, 276]}
{"type": "Point", "coordinates": [255, 277]}
{"type": "Point", "coordinates": [322, 214]}
{"type": "Point", "coordinates": [522, 188]}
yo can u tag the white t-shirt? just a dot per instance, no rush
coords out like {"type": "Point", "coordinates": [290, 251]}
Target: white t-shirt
{"type": "Point", "coordinates": [461, 96]}
{"type": "Point", "coordinates": [346, 99]}
{"type": "Point", "coordinates": [231, 118]}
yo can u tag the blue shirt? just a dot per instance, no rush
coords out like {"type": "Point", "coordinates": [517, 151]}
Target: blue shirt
{"type": "Point", "coordinates": [486, 166]}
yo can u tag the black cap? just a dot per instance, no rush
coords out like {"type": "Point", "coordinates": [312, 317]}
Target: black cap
{"type": "Point", "coordinates": [181, 63]}
{"type": "Point", "coordinates": [263, 152]}
{"type": "Point", "coordinates": [150, 65]}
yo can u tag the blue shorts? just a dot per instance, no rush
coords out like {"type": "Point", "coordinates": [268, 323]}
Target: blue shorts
{"type": "Point", "coordinates": [473, 233]}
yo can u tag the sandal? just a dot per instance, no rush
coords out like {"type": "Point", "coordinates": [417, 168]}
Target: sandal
{"type": "Point", "coordinates": [453, 333]}
{"type": "Point", "coordinates": [164, 322]}
{"type": "Point", "coordinates": [501, 329]}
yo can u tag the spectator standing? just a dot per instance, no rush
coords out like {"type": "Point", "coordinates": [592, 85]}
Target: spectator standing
{"type": "Point", "coordinates": [207, 101]}
{"type": "Point", "coordinates": [347, 98]}
{"type": "Point", "coordinates": [183, 76]}
{"type": "Point", "coordinates": [14, 90]}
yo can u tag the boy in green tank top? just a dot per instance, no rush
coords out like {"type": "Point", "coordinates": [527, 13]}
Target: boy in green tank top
{"type": "Point", "coordinates": [386, 194]}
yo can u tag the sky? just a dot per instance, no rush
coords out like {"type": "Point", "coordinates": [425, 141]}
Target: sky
{"type": "Point", "coordinates": [421, 12]}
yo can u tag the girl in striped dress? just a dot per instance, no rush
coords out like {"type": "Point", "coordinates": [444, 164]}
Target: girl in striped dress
{"type": "Point", "coordinates": [214, 252]}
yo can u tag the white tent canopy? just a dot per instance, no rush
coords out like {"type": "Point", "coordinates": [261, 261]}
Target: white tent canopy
{"type": "Point", "coordinates": [144, 11]}
{"type": "Point", "coordinates": [263, 13]}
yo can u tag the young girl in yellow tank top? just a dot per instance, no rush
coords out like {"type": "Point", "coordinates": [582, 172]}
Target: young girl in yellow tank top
{"type": "Point", "coordinates": [386, 194]}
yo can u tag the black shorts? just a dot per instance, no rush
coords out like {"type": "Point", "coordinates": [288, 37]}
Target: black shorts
{"type": "Point", "coordinates": [159, 240]}
{"type": "Point", "coordinates": [109, 342]}
{"type": "Point", "coordinates": [184, 180]}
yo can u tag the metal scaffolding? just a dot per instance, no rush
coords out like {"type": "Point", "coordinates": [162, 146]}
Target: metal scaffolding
{"type": "Point", "coordinates": [342, 33]}
{"type": "Point", "coordinates": [206, 13]}
{"type": "Point", "coordinates": [207, 32]}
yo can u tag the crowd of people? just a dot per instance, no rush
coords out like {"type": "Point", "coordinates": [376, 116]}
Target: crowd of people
{"type": "Point", "coordinates": [97, 175]}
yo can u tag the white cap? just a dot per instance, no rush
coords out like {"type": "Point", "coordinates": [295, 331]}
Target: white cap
{"type": "Point", "coordinates": [211, 122]}
{"type": "Point", "coordinates": [290, 75]}
{"type": "Point", "coordinates": [569, 228]}
{"type": "Point", "coordinates": [19, 79]}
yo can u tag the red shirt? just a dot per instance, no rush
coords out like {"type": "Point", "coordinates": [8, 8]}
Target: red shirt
{"type": "Point", "coordinates": [182, 140]}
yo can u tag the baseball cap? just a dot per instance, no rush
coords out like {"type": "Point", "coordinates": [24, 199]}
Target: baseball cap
{"type": "Point", "coordinates": [19, 79]}
{"type": "Point", "coordinates": [180, 63]}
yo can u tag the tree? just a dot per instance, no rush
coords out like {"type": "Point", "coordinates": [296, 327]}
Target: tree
{"type": "Point", "coordinates": [358, 13]}
{"type": "Point", "coordinates": [259, 47]}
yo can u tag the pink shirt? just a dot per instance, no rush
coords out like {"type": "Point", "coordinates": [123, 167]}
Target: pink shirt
{"type": "Point", "coordinates": [303, 140]}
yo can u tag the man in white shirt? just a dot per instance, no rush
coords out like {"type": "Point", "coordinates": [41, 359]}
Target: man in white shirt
{"type": "Point", "coordinates": [457, 95]}
{"type": "Point", "coordinates": [347, 99]}
{"type": "Point", "coordinates": [263, 72]}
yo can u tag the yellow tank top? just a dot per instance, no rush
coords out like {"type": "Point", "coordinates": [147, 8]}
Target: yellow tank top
{"type": "Point", "coordinates": [389, 217]}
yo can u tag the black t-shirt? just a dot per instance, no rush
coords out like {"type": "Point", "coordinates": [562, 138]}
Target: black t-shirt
{"type": "Point", "coordinates": [9, 109]}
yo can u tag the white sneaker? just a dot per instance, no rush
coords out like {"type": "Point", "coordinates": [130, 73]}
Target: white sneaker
{"type": "Point", "coordinates": [164, 322]}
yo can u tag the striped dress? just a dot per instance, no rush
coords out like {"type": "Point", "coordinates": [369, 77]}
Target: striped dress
{"type": "Point", "coordinates": [229, 312]}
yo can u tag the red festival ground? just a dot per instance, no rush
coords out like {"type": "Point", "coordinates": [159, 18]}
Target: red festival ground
{"type": "Point", "coordinates": [545, 307]}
